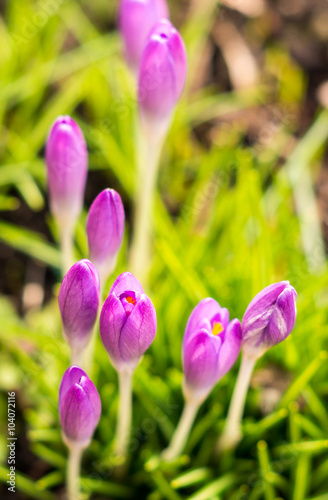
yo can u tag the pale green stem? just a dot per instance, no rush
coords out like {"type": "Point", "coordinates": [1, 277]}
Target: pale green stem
{"type": "Point", "coordinates": [124, 417]}
{"type": "Point", "coordinates": [77, 357]}
{"type": "Point", "coordinates": [149, 150]}
{"type": "Point", "coordinates": [182, 432]}
{"type": "Point", "coordinates": [66, 244]}
{"type": "Point", "coordinates": [232, 431]}
{"type": "Point", "coordinates": [73, 473]}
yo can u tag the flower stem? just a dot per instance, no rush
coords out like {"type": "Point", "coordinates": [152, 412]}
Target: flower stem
{"type": "Point", "coordinates": [149, 150]}
{"type": "Point", "coordinates": [77, 357]}
{"type": "Point", "coordinates": [66, 244]}
{"type": "Point", "coordinates": [232, 432]}
{"type": "Point", "coordinates": [124, 413]}
{"type": "Point", "coordinates": [181, 434]}
{"type": "Point", "coordinates": [73, 473]}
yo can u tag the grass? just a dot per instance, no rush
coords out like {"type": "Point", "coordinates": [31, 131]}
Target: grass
{"type": "Point", "coordinates": [244, 217]}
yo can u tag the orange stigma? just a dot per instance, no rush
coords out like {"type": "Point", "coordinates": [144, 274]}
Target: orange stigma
{"type": "Point", "coordinates": [217, 328]}
{"type": "Point", "coordinates": [131, 300]}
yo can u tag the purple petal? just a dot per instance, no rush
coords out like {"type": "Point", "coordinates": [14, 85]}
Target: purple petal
{"type": "Point", "coordinates": [138, 331]}
{"type": "Point", "coordinates": [200, 361]}
{"type": "Point", "coordinates": [79, 301]}
{"type": "Point", "coordinates": [72, 376]}
{"type": "Point", "coordinates": [259, 311]}
{"type": "Point", "coordinates": [92, 393]}
{"type": "Point", "coordinates": [201, 317]}
{"type": "Point", "coordinates": [136, 20]}
{"type": "Point", "coordinates": [112, 319]}
{"type": "Point", "coordinates": [105, 226]}
{"type": "Point", "coordinates": [124, 282]}
{"type": "Point", "coordinates": [283, 318]}
{"type": "Point", "coordinates": [230, 348]}
{"type": "Point", "coordinates": [77, 416]}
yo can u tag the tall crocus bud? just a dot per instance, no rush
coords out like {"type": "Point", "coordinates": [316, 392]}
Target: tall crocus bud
{"type": "Point", "coordinates": [79, 302]}
{"type": "Point", "coordinates": [136, 20]}
{"type": "Point", "coordinates": [127, 322]}
{"type": "Point", "coordinates": [269, 318]}
{"type": "Point", "coordinates": [67, 165]}
{"type": "Point", "coordinates": [211, 345]}
{"type": "Point", "coordinates": [162, 73]}
{"type": "Point", "coordinates": [127, 329]}
{"type": "Point", "coordinates": [105, 229]}
{"type": "Point", "coordinates": [79, 407]}
{"type": "Point", "coordinates": [79, 412]}
{"type": "Point", "coordinates": [162, 76]}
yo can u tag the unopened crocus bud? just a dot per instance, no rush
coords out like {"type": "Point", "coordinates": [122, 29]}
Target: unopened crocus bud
{"type": "Point", "coordinates": [67, 165]}
{"type": "Point", "coordinates": [105, 229]}
{"type": "Point", "coordinates": [162, 73]}
{"type": "Point", "coordinates": [127, 322]}
{"type": "Point", "coordinates": [269, 318]}
{"type": "Point", "coordinates": [211, 345]}
{"type": "Point", "coordinates": [79, 408]}
{"type": "Point", "coordinates": [79, 302]}
{"type": "Point", "coordinates": [136, 20]}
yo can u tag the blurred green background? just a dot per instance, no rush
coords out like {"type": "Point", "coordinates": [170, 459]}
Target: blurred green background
{"type": "Point", "coordinates": [242, 202]}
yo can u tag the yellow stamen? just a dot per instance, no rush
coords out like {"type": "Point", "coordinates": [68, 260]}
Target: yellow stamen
{"type": "Point", "coordinates": [217, 328]}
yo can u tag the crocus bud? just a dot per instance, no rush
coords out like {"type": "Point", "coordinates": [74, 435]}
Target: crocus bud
{"type": "Point", "coordinates": [162, 73]}
{"type": "Point", "coordinates": [79, 407]}
{"type": "Point", "coordinates": [136, 20]}
{"type": "Point", "coordinates": [211, 345]}
{"type": "Point", "coordinates": [127, 322]}
{"type": "Point", "coordinates": [105, 228]}
{"type": "Point", "coordinates": [269, 318]}
{"type": "Point", "coordinates": [78, 302]}
{"type": "Point", "coordinates": [67, 165]}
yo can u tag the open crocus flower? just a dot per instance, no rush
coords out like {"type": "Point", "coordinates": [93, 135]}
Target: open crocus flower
{"type": "Point", "coordinates": [79, 407]}
{"type": "Point", "coordinates": [127, 322]}
{"type": "Point", "coordinates": [269, 318]}
{"type": "Point", "coordinates": [211, 345]}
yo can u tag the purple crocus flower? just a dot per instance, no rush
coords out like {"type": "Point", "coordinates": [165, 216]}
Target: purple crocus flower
{"type": "Point", "coordinates": [127, 322]}
{"type": "Point", "coordinates": [79, 407]}
{"type": "Point", "coordinates": [105, 229]}
{"type": "Point", "coordinates": [78, 302]}
{"type": "Point", "coordinates": [136, 20]}
{"type": "Point", "coordinates": [269, 318]}
{"type": "Point", "coordinates": [211, 345]}
{"type": "Point", "coordinates": [67, 166]}
{"type": "Point", "coordinates": [162, 73]}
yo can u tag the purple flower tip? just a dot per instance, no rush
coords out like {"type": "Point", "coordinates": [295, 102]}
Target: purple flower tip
{"type": "Point", "coordinates": [127, 322]}
{"type": "Point", "coordinates": [163, 71]}
{"type": "Point", "coordinates": [211, 345]}
{"type": "Point", "coordinates": [67, 166]}
{"type": "Point", "coordinates": [269, 318]}
{"type": "Point", "coordinates": [78, 303]}
{"type": "Point", "coordinates": [105, 229]}
{"type": "Point", "coordinates": [79, 407]}
{"type": "Point", "coordinates": [136, 20]}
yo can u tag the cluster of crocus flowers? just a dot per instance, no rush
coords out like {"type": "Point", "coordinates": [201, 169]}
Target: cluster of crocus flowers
{"type": "Point", "coordinates": [79, 412]}
{"type": "Point", "coordinates": [211, 345]}
{"type": "Point", "coordinates": [127, 329]}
